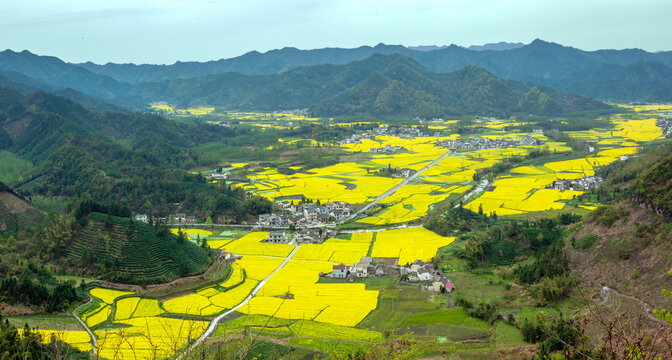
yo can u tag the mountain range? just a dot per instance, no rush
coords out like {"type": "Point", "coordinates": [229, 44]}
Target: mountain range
{"type": "Point", "coordinates": [274, 80]}
{"type": "Point", "coordinates": [380, 84]}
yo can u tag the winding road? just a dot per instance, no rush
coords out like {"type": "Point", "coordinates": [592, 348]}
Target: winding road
{"type": "Point", "coordinates": [93, 336]}
{"type": "Point", "coordinates": [215, 322]}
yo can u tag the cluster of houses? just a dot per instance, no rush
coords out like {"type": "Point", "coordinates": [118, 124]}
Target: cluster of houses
{"type": "Point", "coordinates": [408, 132]}
{"type": "Point", "coordinates": [481, 143]}
{"type": "Point", "coordinates": [364, 268]}
{"type": "Point", "coordinates": [398, 131]}
{"type": "Point", "coordinates": [403, 173]}
{"type": "Point", "coordinates": [357, 138]}
{"type": "Point", "coordinates": [387, 149]}
{"type": "Point", "coordinates": [177, 218]}
{"type": "Point", "coordinates": [435, 279]}
{"type": "Point", "coordinates": [306, 214]}
{"type": "Point", "coordinates": [303, 236]}
{"type": "Point", "coordinates": [584, 183]}
{"type": "Point", "coordinates": [218, 176]}
{"type": "Point", "coordinates": [296, 112]}
{"type": "Point", "coordinates": [665, 123]}
{"type": "Point", "coordinates": [397, 173]}
{"type": "Point", "coordinates": [419, 271]}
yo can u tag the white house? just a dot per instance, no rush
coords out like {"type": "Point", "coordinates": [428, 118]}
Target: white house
{"type": "Point", "coordinates": [276, 237]}
{"type": "Point", "coordinates": [339, 271]}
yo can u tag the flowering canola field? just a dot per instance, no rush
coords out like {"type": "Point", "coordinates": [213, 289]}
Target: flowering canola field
{"type": "Point", "coordinates": [409, 245]}
{"type": "Point", "coordinates": [79, 339]}
{"type": "Point", "coordinates": [146, 328]}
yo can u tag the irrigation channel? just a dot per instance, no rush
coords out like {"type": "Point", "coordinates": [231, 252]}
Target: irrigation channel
{"type": "Point", "coordinates": [215, 322]}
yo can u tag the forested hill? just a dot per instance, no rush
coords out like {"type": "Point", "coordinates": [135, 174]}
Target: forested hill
{"type": "Point", "coordinates": [378, 85]}
{"type": "Point", "coordinates": [529, 61]}
{"type": "Point", "coordinates": [77, 152]}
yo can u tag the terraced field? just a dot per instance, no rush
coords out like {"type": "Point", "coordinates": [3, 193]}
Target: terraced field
{"type": "Point", "coordinates": [16, 214]}
{"type": "Point", "coordinates": [137, 251]}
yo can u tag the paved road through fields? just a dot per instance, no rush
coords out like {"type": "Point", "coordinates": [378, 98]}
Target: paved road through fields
{"type": "Point", "coordinates": [215, 322]}
{"type": "Point", "coordinates": [93, 337]}
{"type": "Point", "coordinates": [395, 188]}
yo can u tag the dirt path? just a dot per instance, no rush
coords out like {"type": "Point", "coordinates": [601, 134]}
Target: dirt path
{"type": "Point", "coordinates": [607, 292]}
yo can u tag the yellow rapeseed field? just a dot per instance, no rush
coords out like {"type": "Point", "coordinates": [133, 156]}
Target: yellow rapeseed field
{"type": "Point", "coordinates": [98, 317]}
{"type": "Point", "coordinates": [125, 308]}
{"type": "Point", "coordinates": [188, 304]}
{"type": "Point", "coordinates": [107, 295]}
{"type": "Point", "coordinates": [329, 303]}
{"type": "Point", "coordinates": [148, 308]}
{"type": "Point", "coordinates": [335, 250]}
{"type": "Point", "coordinates": [408, 245]}
{"type": "Point", "coordinates": [147, 338]}
{"type": "Point", "coordinates": [252, 244]}
{"type": "Point", "coordinates": [236, 276]}
{"type": "Point", "coordinates": [78, 339]}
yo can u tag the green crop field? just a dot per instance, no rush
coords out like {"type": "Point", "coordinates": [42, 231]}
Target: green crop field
{"type": "Point", "coordinates": [395, 306]}
{"type": "Point", "coordinates": [305, 328]}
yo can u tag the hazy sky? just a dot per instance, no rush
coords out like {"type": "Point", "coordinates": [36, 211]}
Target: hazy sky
{"type": "Point", "coordinates": [164, 31]}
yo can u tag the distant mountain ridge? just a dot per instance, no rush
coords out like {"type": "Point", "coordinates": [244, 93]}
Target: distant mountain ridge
{"type": "Point", "coordinates": [539, 63]}
{"type": "Point", "coordinates": [378, 85]}
{"type": "Point", "coordinates": [427, 47]}
{"type": "Point", "coordinates": [499, 46]}
{"type": "Point", "coordinates": [614, 75]}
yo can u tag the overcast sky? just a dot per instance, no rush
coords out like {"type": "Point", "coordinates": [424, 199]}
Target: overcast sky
{"type": "Point", "coordinates": [165, 31]}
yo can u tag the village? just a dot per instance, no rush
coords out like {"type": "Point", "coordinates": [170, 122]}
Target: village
{"type": "Point", "coordinates": [665, 122]}
{"type": "Point", "coordinates": [305, 214]}
{"type": "Point", "coordinates": [584, 183]}
{"type": "Point", "coordinates": [424, 274]}
{"type": "Point", "coordinates": [482, 143]}
{"type": "Point", "coordinates": [404, 132]}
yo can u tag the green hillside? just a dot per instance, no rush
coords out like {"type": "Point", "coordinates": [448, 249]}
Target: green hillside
{"type": "Point", "coordinates": [15, 214]}
{"type": "Point", "coordinates": [121, 250]}
{"type": "Point", "coordinates": [140, 160]}
{"type": "Point", "coordinates": [630, 235]}
{"type": "Point", "coordinates": [379, 85]}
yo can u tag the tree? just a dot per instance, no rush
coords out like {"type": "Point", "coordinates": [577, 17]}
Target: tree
{"type": "Point", "coordinates": [664, 314]}
{"type": "Point", "coordinates": [480, 209]}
